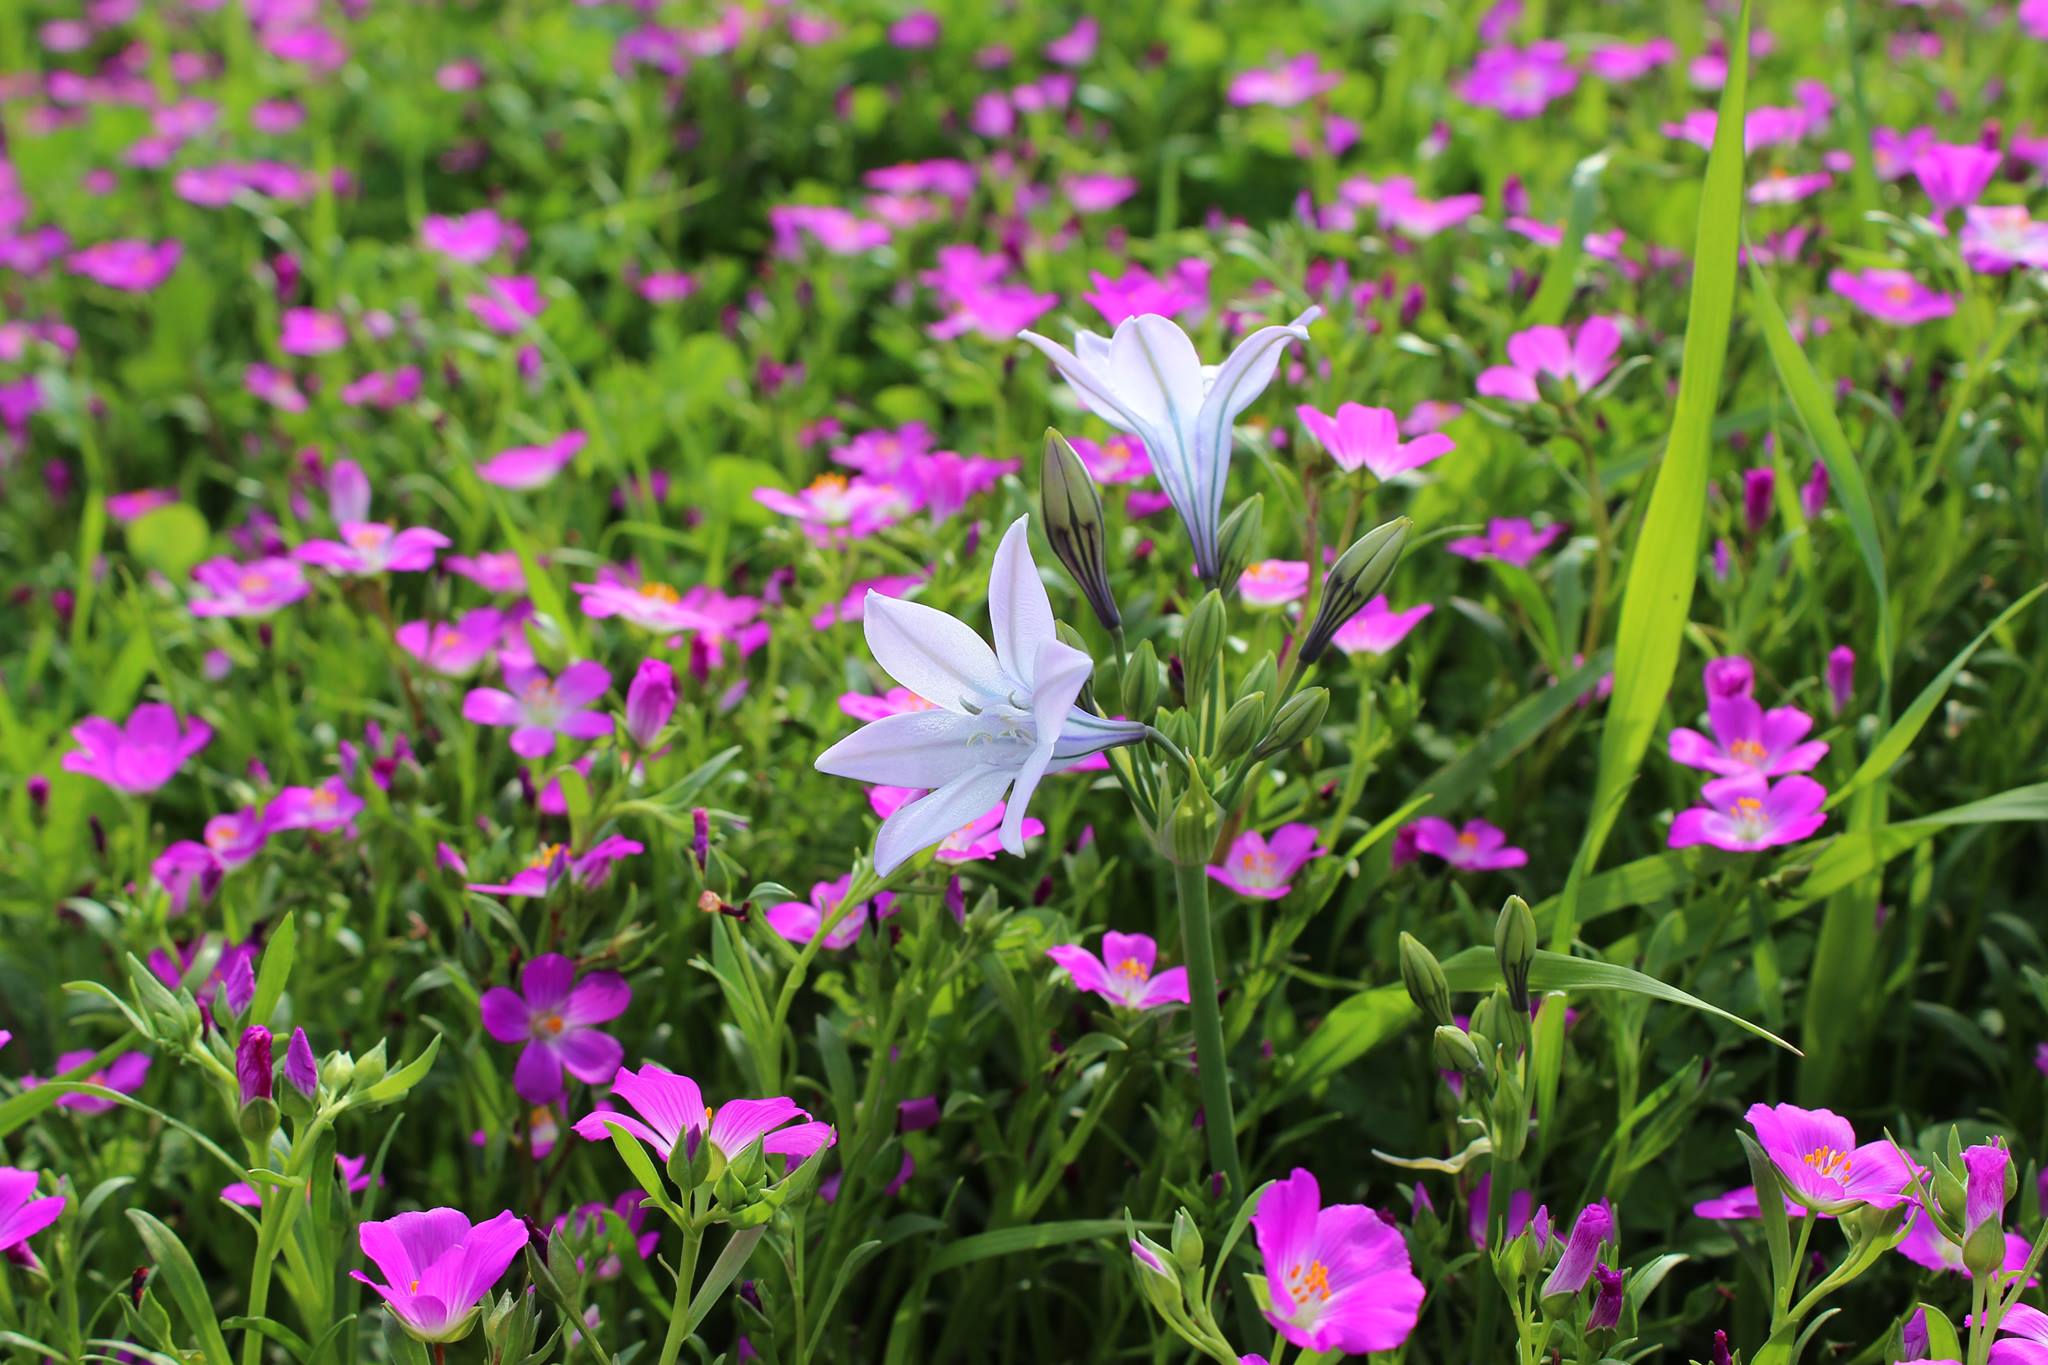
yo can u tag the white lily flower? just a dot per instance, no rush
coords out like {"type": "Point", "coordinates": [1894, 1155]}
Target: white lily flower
{"type": "Point", "coordinates": [1002, 717]}
{"type": "Point", "coordinates": [1147, 380]}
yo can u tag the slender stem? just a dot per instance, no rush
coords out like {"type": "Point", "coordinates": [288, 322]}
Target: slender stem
{"type": "Point", "coordinates": [679, 1311]}
{"type": "Point", "coordinates": [1191, 885]}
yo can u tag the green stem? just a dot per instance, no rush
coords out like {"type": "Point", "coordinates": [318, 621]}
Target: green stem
{"type": "Point", "coordinates": [1191, 885]}
{"type": "Point", "coordinates": [679, 1311]}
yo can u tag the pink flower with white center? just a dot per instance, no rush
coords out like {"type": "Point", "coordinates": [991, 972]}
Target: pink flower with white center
{"type": "Point", "coordinates": [981, 838]}
{"type": "Point", "coordinates": [1263, 868]}
{"type": "Point", "coordinates": [1378, 627]}
{"type": "Point", "coordinates": [1273, 582]}
{"type": "Point", "coordinates": [1892, 296]}
{"type": "Point", "coordinates": [368, 548]}
{"type": "Point", "coordinates": [1822, 1168]}
{"type": "Point", "coordinates": [1749, 739]}
{"type": "Point", "coordinates": [1512, 540]}
{"type": "Point", "coordinates": [1787, 187]}
{"type": "Point", "coordinates": [322, 809]}
{"type": "Point", "coordinates": [275, 387]}
{"type": "Point", "coordinates": [648, 603]}
{"type": "Point", "coordinates": [468, 238]}
{"type": "Point", "coordinates": [1477, 847]}
{"type": "Point", "coordinates": [1120, 459]}
{"type": "Point", "coordinates": [310, 331]}
{"type": "Point", "coordinates": [496, 571]}
{"type": "Point", "coordinates": [1097, 193]}
{"type": "Point", "coordinates": [1293, 82]}
{"type": "Point", "coordinates": [437, 1268]}
{"type": "Point", "coordinates": [1748, 813]}
{"type": "Point", "coordinates": [453, 650]}
{"type": "Point", "coordinates": [895, 702]}
{"type": "Point", "coordinates": [133, 267]}
{"type": "Point", "coordinates": [1338, 1279]}
{"type": "Point", "coordinates": [1138, 290]}
{"type": "Point", "coordinates": [142, 754]}
{"type": "Point", "coordinates": [799, 921]}
{"type": "Point", "coordinates": [257, 588]}
{"type": "Point", "coordinates": [1576, 361]}
{"type": "Point", "coordinates": [1519, 83]}
{"type": "Point", "coordinates": [671, 1113]}
{"type": "Point", "coordinates": [550, 861]}
{"type": "Point", "coordinates": [538, 708]}
{"type": "Point", "coordinates": [556, 1017]}
{"type": "Point", "coordinates": [833, 509]}
{"type": "Point", "coordinates": [1123, 974]}
{"type": "Point", "coordinates": [886, 454]}
{"type": "Point", "coordinates": [524, 467]}
{"type": "Point", "coordinates": [1359, 437]}
{"type": "Point", "coordinates": [1996, 239]}
{"type": "Point", "coordinates": [1954, 174]}
{"type": "Point", "coordinates": [507, 302]}
{"type": "Point", "coordinates": [236, 838]}
{"type": "Point", "coordinates": [124, 1074]}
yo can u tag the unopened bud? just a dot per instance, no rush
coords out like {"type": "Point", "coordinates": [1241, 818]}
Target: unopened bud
{"type": "Point", "coordinates": [1141, 686]}
{"type": "Point", "coordinates": [253, 1064]}
{"type": "Point", "coordinates": [1187, 1242]}
{"type": "Point", "coordinates": [1237, 540]}
{"type": "Point", "coordinates": [1455, 1051]}
{"type": "Point", "coordinates": [1295, 721]}
{"type": "Point", "coordinates": [1514, 943]}
{"type": "Point", "coordinates": [1074, 525]}
{"type": "Point", "coordinates": [1193, 830]}
{"type": "Point", "coordinates": [1353, 580]}
{"type": "Point", "coordinates": [1201, 643]}
{"type": "Point", "coordinates": [1240, 726]}
{"type": "Point", "coordinates": [1423, 975]}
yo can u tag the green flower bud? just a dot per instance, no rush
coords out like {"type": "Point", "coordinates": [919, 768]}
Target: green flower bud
{"type": "Point", "coordinates": [1455, 1051]}
{"type": "Point", "coordinates": [1187, 1242]}
{"type": "Point", "coordinates": [1240, 726]}
{"type": "Point", "coordinates": [1201, 644]}
{"type": "Point", "coordinates": [562, 1266]}
{"type": "Point", "coordinates": [1193, 828]}
{"type": "Point", "coordinates": [1072, 511]}
{"type": "Point", "coordinates": [1353, 580]}
{"type": "Point", "coordinates": [1237, 541]}
{"type": "Point", "coordinates": [1423, 975]}
{"type": "Point", "coordinates": [1508, 1117]}
{"type": "Point", "coordinates": [688, 1169]}
{"type": "Point", "coordinates": [258, 1120]}
{"type": "Point", "coordinates": [1141, 683]}
{"type": "Point", "coordinates": [1984, 1248]}
{"type": "Point", "coordinates": [369, 1068]}
{"type": "Point", "coordinates": [336, 1072]}
{"type": "Point", "coordinates": [1295, 722]}
{"type": "Point", "coordinates": [1514, 944]}
{"type": "Point", "coordinates": [1263, 676]}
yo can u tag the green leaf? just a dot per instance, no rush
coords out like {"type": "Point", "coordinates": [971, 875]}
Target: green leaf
{"type": "Point", "coordinates": [1355, 1027]}
{"type": "Point", "coordinates": [1478, 969]}
{"type": "Point", "coordinates": [1449, 785]}
{"type": "Point", "coordinates": [278, 956]}
{"type": "Point", "coordinates": [1907, 727]}
{"type": "Point", "coordinates": [1663, 570]}
{"type": "Point", "coordinates": [395, 1085]}
{"type": "Point", "coordinates": [170, 539]}
{"type": "Point", "coordinates": [1855, 855]}
{"type": "Point", "coordinates": [723, 1271]}
{"type": "Point", "coordinates": [177, 1273]}
{"type": "Point", "coordinates": [1561, 274]}
{"type": "Point", "coordinates": [1816, 409]}
{"type": "Point", "coordinates": [1770, 1198]}
{"type": "Point", "coordinates": [1942, 1341]}
{"type": "Point", "coordinates": [984, 1246]}
{"type": "Point", "coordinates": [275, 1331]}
{"type": "Point", "coordinates": [641, 1166]}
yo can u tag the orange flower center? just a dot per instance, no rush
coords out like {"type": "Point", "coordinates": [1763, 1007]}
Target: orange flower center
{"type": "Point", "coordinates": [1748, 750]}
{"type": "Point", "coordinates": [1132, 968]}
{"type": "Point", "coordinates": [1310, 1281]}
{"type": "Point", "coordinates": [1830, 1162]}
{"type": "Point", "coordinates": [545, 856]}
{"type": "Point", "coordinates": [660, 592]}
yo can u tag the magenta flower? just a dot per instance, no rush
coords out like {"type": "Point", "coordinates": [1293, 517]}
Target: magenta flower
{"type": "Point", "coordinates": [1787, 187]}
{"type": "Point", "coordinates": [981, 838]}
{"type": "Point", "coordinates": [672, 1114]}
{"type": "Point", "coordinates": [834, 509]}
{"type": "Point", "coordinates": [496, 571]}
{"type": "Point", "coordinates": [368, 548]}
{"type": "Point", "coordinates": [587, 870]}
{"type": "Point", "coordinates": [1273, 582]}
{"type": "Point", "coordinates": [453, 650]}
{"type": "Point", "coordinates": [1138, 290]}
{"type": "Point", "coordinates": [1581, 1251]}
{"type": "Point", "coordinates": [125, 1074]}
{"type": "Point", "coordinates": [1519, 83]}
{"type": "Point", "coordinates": [1512, 540]}
{"type": "Point", "coordinates": [139, 756]}
{"type": "Point", "coordinates": [1263, 868]}
{"type": "Point", "coordinates": [322, 809]}
{"type": "Point", "coordinates": [1891, 296]}
{"type": "Point", "coordinates": [799, 922]}
{"type": "Point", "coordinates": [524, 467]}
{"type": "Point", "coordinates": [469, 238]}
{"type": "Point", "coordinates": [1954, 174]}
{"type": "Point", "coordinates": [354, 1179]}
{"type": "Point", "coordinates": [1817, 1158]}
{"type": "Point", "coordinates": [506, 304]}
{"type": "Point", "coordinates": [2026, 1342]}
{"type": "Point", "coordinates": [1841, 677]}
{"type": "Point", "coordinates": [1579, 360]}
{"type": "Point", "coordinates": [1295, 81]}
{"type": "Point", "coordinates": [1370, 438]}
{"type": "Point", "coordinates": [310, 331]}
{"type": "Point", "coordinates": [1338, 1278]}
{"type": "Point", "coordinates": [1741, 1206]}
{"type": "Point", "coordinates": [555, 1016]}
{"type": "Point", "coordinates": [1925, 1246]}
{"type": "Point", "coordinates": [1378, 627]}
{"type": "Point", "coordinates": [537, 707]}
{"type": "Point", "coordinates": [1478, 847]}
{"type": "Point", "coordinates": [1746, 813]}
{"type": "Point", "coordinates": [650, 701]}
{"type": "Point", "coordinates": [1123, 974]}
{"type": "Point", "coordinates": [257, 588]}
{"type": "Point", "coordinates": [438, 1268]}
{"type": "Point", "coordinates": [126, 508]}
{"type": "Point", "coordinates": [133, 267]}
{"type": "Point", "coordinates": [22, 1213]}
{"type": "Point", "coordinates": [1999, 238]}
{"type": "Point", "coordinates": [1749, 739]}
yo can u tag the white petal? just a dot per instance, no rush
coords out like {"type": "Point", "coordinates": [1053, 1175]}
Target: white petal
{"type": "Point", "coordinates": [1020, 798]}
{"type": "Point", "coordinates": [1241, 379]}
{"type": "Point", "coordinates": [915, 749]}
{"type": "Point", "coordinates": [1155, 371]}
{"type": "Point", "coordinates": [933, 816]}
{"type": "Point", "coordinates": [1059, 670]}
{"type": "Point", "coordinates": [1089, 380]}
{"type": "Point", "coordinates": [932, 654]}
{"type": "Point", "coordinates": [1019, 612]}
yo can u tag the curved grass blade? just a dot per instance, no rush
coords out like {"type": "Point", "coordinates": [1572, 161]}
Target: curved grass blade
{"type": "Point", "coordinates": [1478, 969]}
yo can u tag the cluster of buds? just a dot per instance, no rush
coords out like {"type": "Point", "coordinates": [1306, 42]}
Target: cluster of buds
{"type": "Point", "coordinates": [1972, 1186]}
{"type": "Point", "coordinates": [1173, 1281]}
{"type": "Point", "coordinates": [1490, 1050]}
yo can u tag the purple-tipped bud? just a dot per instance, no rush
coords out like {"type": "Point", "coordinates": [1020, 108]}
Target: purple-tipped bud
{"type": "Point", "coordinates": [1813, 494]}
{"type": "Point", "coordinates": [1729, 677]}
{"type": "Point", "coordinates": [1757, 486]}
{"type": "Point", "coordinates": [650, 701]}
{"type": "Point", "coordinates": [1841, 677]}
{"type": "Point", "coordinates": [700, 838]}
{"type": "Point", "coordinates": [1606, 1298]}
{"type": "Point", "coordinates": [252, 1064]}
{"type": "Point", "coordinates": [238, 981]}
{"type": "Point", "coordinates": [451, 859]}
{"type": "Point", "coordinates": [301, 1069]}
{"type": "Point", "coordinates": [38, 790]}
{"type": "Point", "coordinates": [348, 492]}
{"type": "Point", "coordinates": [920, 1113]}
{"type": "Point", "coordinates": [1581, 1252]}
{"type": "Point", "coordinates": [1912, 1337]}
{"type": "Point", "coordinates": [956, 900]}
{"type": "Point", "coordinates": [1990, 1183]}
{"type": "Point", "coordinates": [1724, 560]}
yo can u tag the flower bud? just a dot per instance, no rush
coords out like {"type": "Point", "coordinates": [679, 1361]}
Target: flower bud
{"type": "Point", "coordinates": [1989, 1184]}
{"type": "Point", "coordinates": [1073, 519]}
{"type": "Point", "coordinates": [253, 1064]}
{"type": "Point", "coordinates": [238, 982]}
{"type": "Point", "coordinates": [1187, 1242]}
{"type": "Point", "coordinates": [1606, 1299]}
{"type": "Point", "coordinates": [1514, 943]}
{"type": "Point", "coordinates": [1508, 1119]}
{"type": "Point", "coordinates": [1353, 580]}
{"type": "Point", "coordinates": [689, 1164]}
{"type": "Point", "coordinates": [650, 701]}
{"type": "Point", "coordinates": [1237, 540]}
{"type": "Point", "coordinates": [1841, 677]}
{"type": "Point", "coordinates": [368, 1069]}
{"type": "Point", "coordinates": [1423, 975]}
{"type": "Point", "coordinates": [299, 1067]}
{"type": "Point", "coordinates": [1455, 1051]}
{"type": "Point", "coordinates": [1141, 685]}
{"type": "Point", "coordinates": [1581, 1254]}
{"type": "Point", "coordinates": [1240, 726]}
{"type": "Point", "coordinates": [1193, 831]}
{"type": "Point", "coordinates": [1295, 721]}
{"type": "Point", "coordinates": [1201, 644]}
{"type": "Point", "coordinates": [1757, 487]}
{"type": "Point", "coordinates": [1729, 677]}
